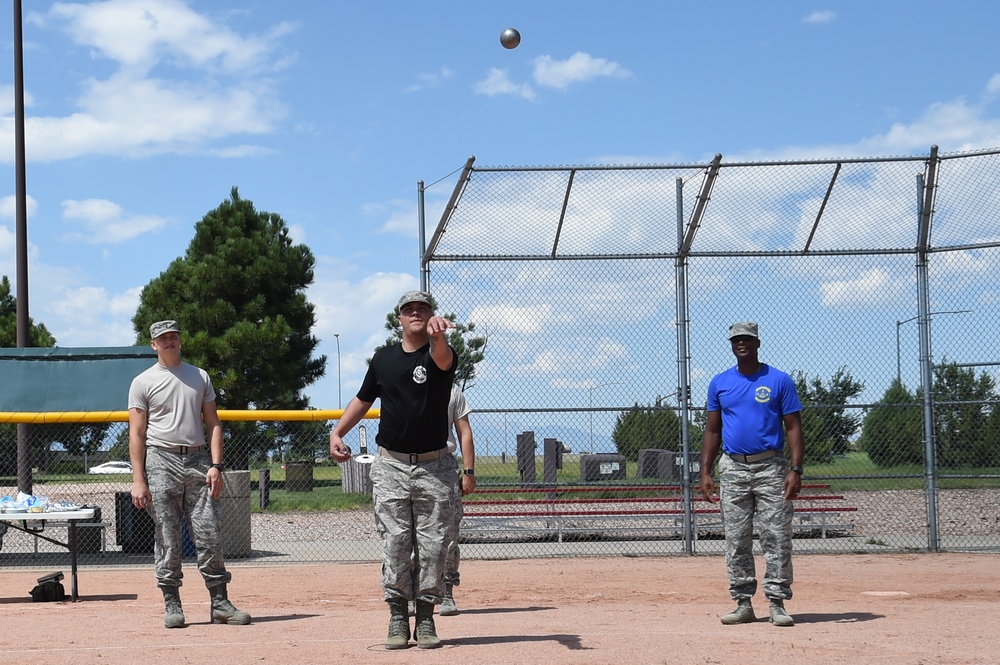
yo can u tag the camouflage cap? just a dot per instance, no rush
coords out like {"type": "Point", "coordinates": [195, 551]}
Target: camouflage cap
{"type": "Point", "coordinates": [744, 329]}
{"type": "Point", "coordinates": [163, 327]}
{"type": "Point", "coordinates": [415, 296]}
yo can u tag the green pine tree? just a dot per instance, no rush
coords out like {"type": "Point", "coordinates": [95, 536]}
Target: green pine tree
{"type": "Point", "coordinates": [646, 427]}
{"type": "Point", "coordinates": [38, 335]}
{"type": "Point", "coordinates": [239, 295]}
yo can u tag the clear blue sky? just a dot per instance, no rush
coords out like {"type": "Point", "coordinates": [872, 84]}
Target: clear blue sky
{"type": "Point", "coordinates": [141, 116]}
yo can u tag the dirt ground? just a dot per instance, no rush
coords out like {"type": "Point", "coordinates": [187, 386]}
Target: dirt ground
{"type": "Point", "coordinates": [920, 608]}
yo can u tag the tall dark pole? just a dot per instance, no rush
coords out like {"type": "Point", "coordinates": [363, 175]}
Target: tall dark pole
{"type": "Point", "coordinates": [24, 482]}
{"type": "Point", "coordinates": [20, 187]}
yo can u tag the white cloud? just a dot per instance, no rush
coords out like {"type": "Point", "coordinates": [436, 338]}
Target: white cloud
{"type": "Point", "coordinates": [7, 100]}
{"type": "Point", "coordinates": [520, 320]}
{"type": "Point", "coordinates": [993, 85]}
{"type": "Point", "coordinates": [584, 355]}
{"type": "Point", "coordinates": [433, 80]}
{"type": "Point", "coordinates": [820, 16]}
{"type": "Point", "coordinates": [953, 126]}
{"type": "Point", "coordinates": [579, 67]}
{"type": "Point", "coordinates": [297, 232]}
{"type": "Point", "coordinates": [240, 151]}
{"type": "Point", "coordinates": [140, 34]}
{"type": "Point", "coordinates": [8, 207]}
{"type": "Point", "coordinates": [352, 303]}
{"type": "Point", "coordinates": [219, 85]}
{"type": "Point", "coordinates": [8, 251]}
{"type": "Point", "coordinates": [401, 215]}
{"type": "Point", "coordinates": [871, 288]}
{"type": "Point", "coordinates": [91, 316]}
{"type": "Point", "coordinates": [498, 83]}
{"type": "Point", "coordinates": [106, 222]}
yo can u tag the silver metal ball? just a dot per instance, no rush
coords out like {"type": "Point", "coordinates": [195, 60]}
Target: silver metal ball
{"type": "Point", "coordinates": [510, 38]}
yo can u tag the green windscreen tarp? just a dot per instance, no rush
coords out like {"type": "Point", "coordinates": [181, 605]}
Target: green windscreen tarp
{"type": "Point", "coordinates": [70, 379]}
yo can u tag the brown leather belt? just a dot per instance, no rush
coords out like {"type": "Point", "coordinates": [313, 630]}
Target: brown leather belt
{"type": "Point", "coordinates": [756, 457]}
{"type": "Point", "coordinates": [414, 458]}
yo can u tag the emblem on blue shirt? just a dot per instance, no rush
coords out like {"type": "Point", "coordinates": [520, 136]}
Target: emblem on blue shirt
{"type": "Point", "coordinates": [420, 374]}
{"type": "Point", "coordinates": [762, 394]}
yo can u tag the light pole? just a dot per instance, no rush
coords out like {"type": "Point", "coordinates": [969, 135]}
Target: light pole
{"type": "Point", "coordinates": [590, 408]}
{"type": "Point", "coordinates": [340, 402]}
{"type": "Point", "coordinates": [914, 318]}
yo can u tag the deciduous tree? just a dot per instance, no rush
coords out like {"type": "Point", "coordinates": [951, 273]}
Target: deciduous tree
{"type": "Point", "coordinates": [827, 426]}
{"type": "Point", "coordinates": [892, 433]}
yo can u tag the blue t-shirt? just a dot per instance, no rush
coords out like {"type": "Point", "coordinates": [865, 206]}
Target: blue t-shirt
{"type": "Point", "coordinates": [753, 408]}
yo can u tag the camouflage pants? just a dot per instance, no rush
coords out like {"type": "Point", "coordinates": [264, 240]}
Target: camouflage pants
{"type": "Point", "coordinates": [413, 514]}
{"type": "Point", "coordinates": [451, 575]}
{"type": "Point", "coordinates": [177, 484]}
{"type": "Point", "coordinates": [745, 489]}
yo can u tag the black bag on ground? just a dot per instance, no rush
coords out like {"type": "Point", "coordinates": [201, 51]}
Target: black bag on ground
{"type": "Point", "coordinates": [48, 589]}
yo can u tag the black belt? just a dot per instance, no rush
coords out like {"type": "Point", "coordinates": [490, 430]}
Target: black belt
{"type": "Point", "coordinates": [414, 458]}
{"type": "Point", "coordinates": [179, 450]}
{"type": "Point", "coordinates": [756, 457]}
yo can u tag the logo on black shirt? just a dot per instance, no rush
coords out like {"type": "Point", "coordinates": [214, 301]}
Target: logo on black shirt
{"type": "Point", "coordinates": [420, 374]}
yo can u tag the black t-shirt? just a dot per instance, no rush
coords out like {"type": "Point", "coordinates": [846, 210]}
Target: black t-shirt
{"type": "Point", "coordinates": [415, 395]}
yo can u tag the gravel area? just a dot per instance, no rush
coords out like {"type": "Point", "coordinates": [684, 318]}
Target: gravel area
{"type": "Point", "coordinates": [904, 512]}
{"type": "Point", "coordinates": [345, 525]}
{"type": "Point", "coordinates": [889, 512]}
{"type": "Point", "coordinates": [973, 512]}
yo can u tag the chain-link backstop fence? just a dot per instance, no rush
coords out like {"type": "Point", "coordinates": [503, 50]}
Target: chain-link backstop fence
{"type": "Point", "coordinates": [606, 294]}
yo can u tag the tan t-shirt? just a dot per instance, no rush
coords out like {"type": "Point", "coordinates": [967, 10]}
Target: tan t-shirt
{"type": "Point", "coordinates": [172, 398]}
{"type": "Point", "coordinates": [458, 407]}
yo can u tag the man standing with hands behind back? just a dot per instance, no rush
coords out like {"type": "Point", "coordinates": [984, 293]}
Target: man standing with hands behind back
{"type": "Point", "coordinates": [752, 410]}
{"type": "Point", "coordinates": [413, 475]}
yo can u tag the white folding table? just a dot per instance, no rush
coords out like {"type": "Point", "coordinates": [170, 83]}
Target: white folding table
{"type": "Point", "coordinates": [21, 522]}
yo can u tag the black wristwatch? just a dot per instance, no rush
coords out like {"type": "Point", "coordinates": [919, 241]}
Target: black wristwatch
{"type": "Point", "coordinates": [797, 469]}
{"type": "Point", "coordinates": [469, 472]}
{"type": "Point", "coordinates": [220, 467]}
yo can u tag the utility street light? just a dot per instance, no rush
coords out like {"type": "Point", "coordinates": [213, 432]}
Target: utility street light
{"type": "Point", "coordinates": [591, 408]}
{"type": "Point", "coordinates": [914, 318]}
{"type": "Point", "coordinates": [340, 401]}
{"type": "Point", "coordinates": [662, 398]}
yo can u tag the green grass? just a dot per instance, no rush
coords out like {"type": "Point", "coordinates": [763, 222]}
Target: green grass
{"type": "Point", "coordinates": [325, 495]}
{"type": "Point", "coordinates": [320, 498]}
{"type": "Point", "coordinates": [853, 471]}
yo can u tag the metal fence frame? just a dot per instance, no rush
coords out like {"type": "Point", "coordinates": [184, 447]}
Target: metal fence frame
{"type": "Point", "coordinates": [464, 208]}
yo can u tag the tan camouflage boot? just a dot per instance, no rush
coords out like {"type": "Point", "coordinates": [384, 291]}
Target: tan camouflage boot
{"type": "Point", "coordinates": [448, 607]}
{"type": "Point", "coordinates": [399, 625]}
{"type": "Point", "coordinates": [223, 611]}
{"type": "Point", "coordinates": [173, 616]}
{"type": "Point", "coordinates": [424, 628]}
{"type": "Point", "coordinates": [742, 614]}
{"type": "Point", "coordinates": [779, 617]}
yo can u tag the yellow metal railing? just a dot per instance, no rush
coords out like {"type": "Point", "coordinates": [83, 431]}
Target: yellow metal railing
{"type": "Point", "coordinates": [49, 417]}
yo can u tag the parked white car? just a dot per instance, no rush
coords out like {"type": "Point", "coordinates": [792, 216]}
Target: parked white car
{"type": "Point", "coordinates": [112, 467]}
